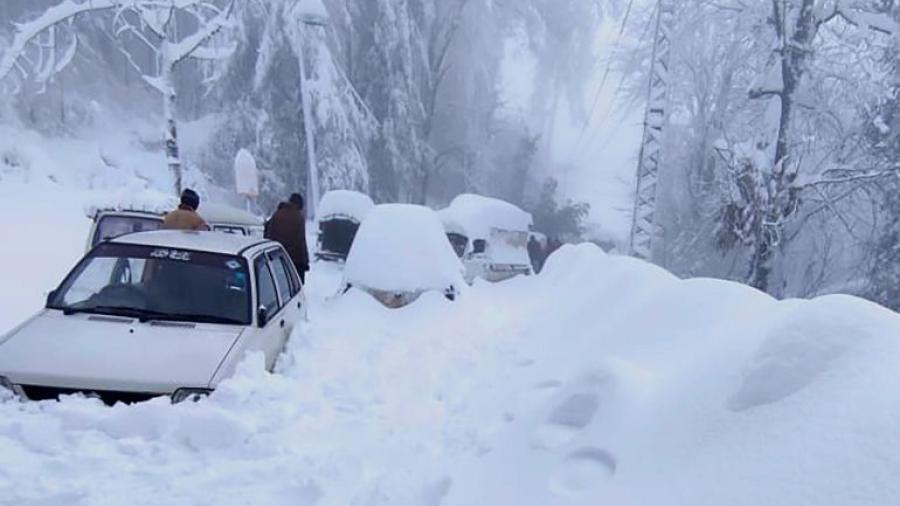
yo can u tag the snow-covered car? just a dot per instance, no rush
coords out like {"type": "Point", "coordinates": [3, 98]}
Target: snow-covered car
{"type": "Point", "coordinates": [491, 234]}
{"type": "Point", "coordinates": [340, 213]}
{"type": "Point", "coordinates": [115, 220]}
{"type": "Point", "coordinates": [156, 313]}
{"type": "Point", "coordinates": [401, 252]}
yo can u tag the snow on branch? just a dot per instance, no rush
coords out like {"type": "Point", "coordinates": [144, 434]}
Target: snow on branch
{"type": "Point", "coordinates": [27, 33]}
{"type": "Point", "coordinates": [863, 16]}
{"type": "Point", "coordinates": [192, 44]}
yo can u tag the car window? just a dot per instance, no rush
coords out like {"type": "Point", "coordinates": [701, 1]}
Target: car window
{"type": "Point", "coordinates": [162, 283]}
{"type": "Point", "coordinates": [267, 297]}
{"type": "Point", "coordinates": [282, 278]}
{"type": "Point", "coordinates": [110, 227]}
{"type": "Point", "coordinates": [296, 284]}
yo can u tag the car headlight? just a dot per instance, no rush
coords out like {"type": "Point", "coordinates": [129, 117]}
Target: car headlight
{"type": "Point", "coordinates": [190, 394]}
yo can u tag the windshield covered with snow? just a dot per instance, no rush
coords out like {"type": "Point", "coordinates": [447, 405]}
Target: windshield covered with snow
{"type": "Point", "coordinates": [155, 283]}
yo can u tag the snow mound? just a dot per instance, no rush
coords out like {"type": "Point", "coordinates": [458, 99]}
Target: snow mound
{"type": "Point", "coordinates": [344, 204]}
{"type": "Point", "coordinates": [478, 215]}
{"type": "Point", "coordinates": [401, 247]}
{"type": "Point", "coordinates": [603, 380]}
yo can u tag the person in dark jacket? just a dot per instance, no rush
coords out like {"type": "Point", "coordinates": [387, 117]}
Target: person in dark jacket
{"type": "Point", "coordinates": [186, 217]}
{"type": "Point", "coordinates": [288, 227]}
{"type": "Point", "coordinates": [535, 252]}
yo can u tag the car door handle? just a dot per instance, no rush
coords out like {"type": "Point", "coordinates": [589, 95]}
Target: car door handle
{"type": "Point", "coordinates": [282, 324]}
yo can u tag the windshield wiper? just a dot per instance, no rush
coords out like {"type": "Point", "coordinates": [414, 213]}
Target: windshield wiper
{"type": "Point", "coordinates": [196, 318]}
{"type": "Point", "coordinates": [127, 312]}
{"type": "Point", "coordinates": [146, 315]}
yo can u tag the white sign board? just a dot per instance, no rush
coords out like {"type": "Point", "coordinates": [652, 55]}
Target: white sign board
{"type": "Point", "coordinates": [246, 175]}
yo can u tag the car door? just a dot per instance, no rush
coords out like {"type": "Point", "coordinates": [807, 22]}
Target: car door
{"type": "Point", "coordinates": [290, 289]}
{"type": "Point", "coordinates": [270, 336]}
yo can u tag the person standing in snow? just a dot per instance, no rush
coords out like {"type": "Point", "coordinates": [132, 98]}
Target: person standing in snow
{"type": "Point", "coordinates": [186, 217]}
{"type": "Point", "coordinates": [288, 227]}
{"type": "Point", "coordinates": [535, 251]}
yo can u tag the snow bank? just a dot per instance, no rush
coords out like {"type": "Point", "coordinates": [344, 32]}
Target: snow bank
{"type": "Point", "coordinates": [402, 247]}
{"type": "Point", "coordinates": [44, 233]}
{"type": "Point", "coordinates": [344, 203]}
{"type": "Point", "coordinates": [478, 215]}
{"type": "Point", "coordinates": [603, 380]}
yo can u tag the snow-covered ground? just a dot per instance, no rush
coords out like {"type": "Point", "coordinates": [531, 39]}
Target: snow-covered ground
{"type": "Point", "coordinates": [602, 381]}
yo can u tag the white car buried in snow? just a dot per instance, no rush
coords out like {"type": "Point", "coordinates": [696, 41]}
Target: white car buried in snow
{"type": "Point", "coordinates": [156, 313]}
{"type": "Point", "coordinates": [490, 235]}
{"type": "Point", "coordinates": [340, 213]}
{"type": "Point", "coordinates": [401, 252]}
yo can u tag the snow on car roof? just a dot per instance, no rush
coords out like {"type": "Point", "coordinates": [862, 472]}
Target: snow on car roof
{"type": "Point", "coordinates": [212, 242]}
{"type": "Point", "coordinates": [402, 247]}
{"type": "Point", "coordinates": [478, 215]}
{"type": "Point", "coordinates": [220, 213]}
{"type": "Point", "coordinates": [345, 203]}
{"type": "Point", "coordinates": [160, 204]}
{"type": "Point", "coordinates": [150, 202]}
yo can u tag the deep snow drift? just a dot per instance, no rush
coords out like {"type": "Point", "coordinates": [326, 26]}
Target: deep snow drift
{"type": "Point", "coordinates": [602, 381]}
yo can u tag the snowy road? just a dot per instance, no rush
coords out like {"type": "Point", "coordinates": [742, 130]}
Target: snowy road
{"type": "Point", "coordinates": [602, 381]}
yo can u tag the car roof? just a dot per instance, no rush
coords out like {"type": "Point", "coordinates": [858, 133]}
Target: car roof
{"type": "Point", "coordinates": [212, 242]}
{"type": "Point", "coordinates": [218, 214]}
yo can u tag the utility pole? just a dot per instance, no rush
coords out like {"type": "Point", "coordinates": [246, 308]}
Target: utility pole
{"type": "Point", "coordinates": [643, 226]}
{"type": "Point", "coordinates": [312, 14]}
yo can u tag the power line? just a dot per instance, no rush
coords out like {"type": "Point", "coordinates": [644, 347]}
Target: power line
{"type": "Point", "coordinates": [606, 72]}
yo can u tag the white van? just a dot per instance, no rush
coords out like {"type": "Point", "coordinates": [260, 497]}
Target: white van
{"type": "Point", "coordinates": [115, 220]}
{"type": "Point", "coordinates": [490, 235]}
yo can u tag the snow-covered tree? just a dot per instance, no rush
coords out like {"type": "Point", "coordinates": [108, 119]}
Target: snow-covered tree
{"type": "Point", "coordinates": [169, 31]}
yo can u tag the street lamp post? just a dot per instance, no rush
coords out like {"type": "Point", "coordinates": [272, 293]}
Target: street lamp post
{"type": "Point", "coordinates": [311, 13]}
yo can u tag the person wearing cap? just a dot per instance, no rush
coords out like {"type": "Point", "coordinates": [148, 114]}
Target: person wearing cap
{"type": "Point", "coordinates": [288, 227]}
{"type": "Point", "coordinates": [186, 217]}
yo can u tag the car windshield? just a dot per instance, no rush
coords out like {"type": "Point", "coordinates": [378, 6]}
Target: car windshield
{"type": "Point", "coordinates": [158, 283]}
{"type": "Point", "coordinates": [112, 226]}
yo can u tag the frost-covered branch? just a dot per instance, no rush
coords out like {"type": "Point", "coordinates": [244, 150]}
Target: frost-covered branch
{"type": "Point", "coordinates": [27, 33]}
{"type": "Point", "coordinates": [193, 44]}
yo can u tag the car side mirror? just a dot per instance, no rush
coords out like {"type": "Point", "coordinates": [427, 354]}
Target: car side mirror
{"type": "Point", "coordinates": [262, 316]}
{"type": "Point", "coordinates": [479, 246]}
{"type": "Point", "coordinates": [50, 296]}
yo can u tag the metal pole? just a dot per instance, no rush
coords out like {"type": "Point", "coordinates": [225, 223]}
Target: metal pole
{"type": "Point", "coordinates": [643, 226]}
{"type": "Point", "coordinates": [312, 190]}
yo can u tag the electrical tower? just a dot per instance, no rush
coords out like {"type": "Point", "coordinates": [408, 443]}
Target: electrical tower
{"type": "Point", "coordinates": [643, 226]}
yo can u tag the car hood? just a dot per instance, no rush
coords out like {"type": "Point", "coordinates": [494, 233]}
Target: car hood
{"type": "Point", "coordinates": [109, 353]}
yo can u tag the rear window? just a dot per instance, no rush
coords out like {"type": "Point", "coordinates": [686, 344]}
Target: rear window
{"type": "Point", "coordinates": [110, 227]}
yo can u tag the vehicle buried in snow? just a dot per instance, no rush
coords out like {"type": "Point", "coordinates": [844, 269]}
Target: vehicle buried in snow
{"type": "Point", "coordinates": [401, 252]}
{"type": "Point", "coordinates": [115, 219]}
{"type": "Point", "coordinates": [156, 313]}
{"type": "Point", "coordinates": [340, 213]}
{"type": "Point", "coordinates": [490, 235]}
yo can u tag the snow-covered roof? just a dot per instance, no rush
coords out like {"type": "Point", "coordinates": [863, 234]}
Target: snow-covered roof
{"type": "Point", "coordinates": [147, 202]}
{"type": "Point", "coordinates": [346, 204]}
{"type": "Point", "coordinates": [224, 214]}
{"type": "Point", "coordinates": [478, 215]}
{"type": "Point", "coordinates": [402, 247]}
{"type": "Point", "coordinates": [160, 204]}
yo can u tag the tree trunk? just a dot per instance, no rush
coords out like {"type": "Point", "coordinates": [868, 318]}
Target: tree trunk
{"type": "Point", "coordinates": [173, 156]}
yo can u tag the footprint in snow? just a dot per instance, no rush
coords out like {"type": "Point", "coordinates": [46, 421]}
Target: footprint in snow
{"type": "Point", "coordinates": [566, 420]}
{"type": "Point", "coordinates": [582, 470]}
